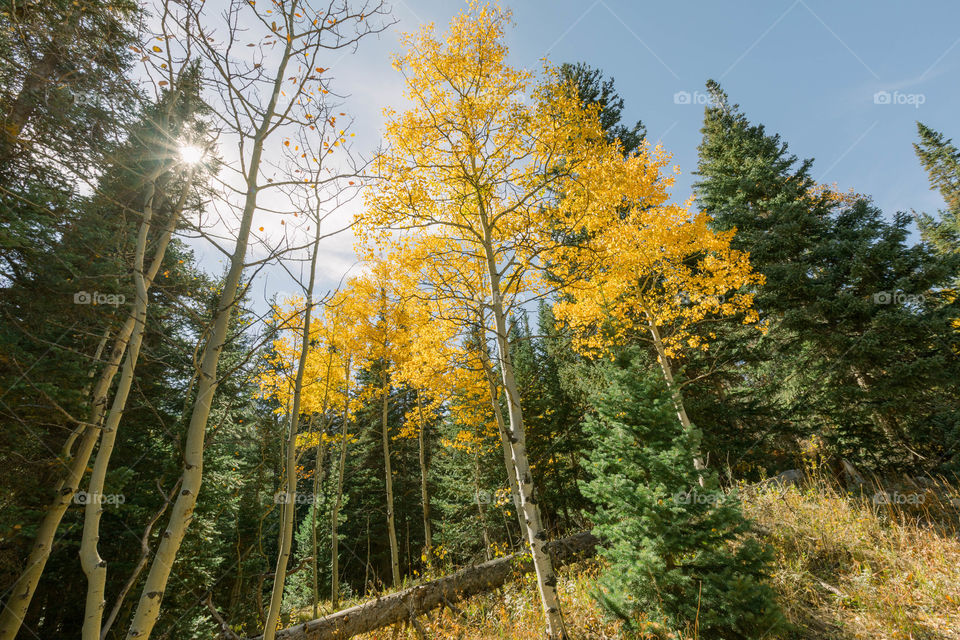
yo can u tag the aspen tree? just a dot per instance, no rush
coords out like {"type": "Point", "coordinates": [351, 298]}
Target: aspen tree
{"type": "Point", "coordinates": [258, 95]}
{"type": "Point", "coordinates": [489, 164]}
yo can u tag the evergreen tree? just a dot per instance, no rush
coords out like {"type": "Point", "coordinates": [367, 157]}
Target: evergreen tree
{"type": "Point", "coordinates": [857, 347]}
{"type": "Point", "coordinates": [595, 90]}
{"type": "Point", "coordinates": [941, 158]}
{"type": "Point", "coordinates": [679, 555]}
{"type": "Point", "coordinates": [555, 414]}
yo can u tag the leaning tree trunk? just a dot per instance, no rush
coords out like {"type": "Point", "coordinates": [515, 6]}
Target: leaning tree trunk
{"type": "Point", "coordinates": [148, 607]}
{"type": "Point", "coordinates": [410, 603]}
{"type": "Point", "coordinates": [504, 437]}
{"type": "Point", "coordinates": [290, 504]}
{"type": "Point", "coordinates": [21, 593]}
{"type": "Point", "coordinates": [94, 566]}
{"type": "Point", "coordinates": [675, 393]}
{"type": "Point", "coordinates": [391, 526]}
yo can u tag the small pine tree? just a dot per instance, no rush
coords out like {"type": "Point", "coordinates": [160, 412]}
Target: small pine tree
{"type": "Point", "coordinates": [941, 158]}
{"type": "Point", "coordinates": [679, 557]}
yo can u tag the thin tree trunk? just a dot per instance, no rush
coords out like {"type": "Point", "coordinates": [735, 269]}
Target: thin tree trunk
{"type": "Point", "coordinates": [424, 488]}
{"type": "Point", "coordinates": [388, 475]}
{"type": "Point", "coordinates": [675, 394]}
{"type": "Point", "coordinates": [67, 451]}
{"type": "Point", "coordinates": [335, 515]}
{"type": "Point", "coordinates": [313, 523]}
{"type": "Point", "coordinates": [316, 487]}
{"type": "Point", "coordinates": [94, 566]}
{"type": "Point", "coordinates": [148, 608]}
{"type": "Point", "coordinates": [536, 536]}
{"type": "Point", "coordinates": [290, 504]}
{"type": "Point", "coordinates": [366, 571]}
{"type": "Point", "coordinates": [504, 438]}
{"type": "Point", "coordinates": [479, 501]}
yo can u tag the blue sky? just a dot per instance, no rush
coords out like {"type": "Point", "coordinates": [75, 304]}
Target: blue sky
{"type": "Point", "coordinates": [810, 70]}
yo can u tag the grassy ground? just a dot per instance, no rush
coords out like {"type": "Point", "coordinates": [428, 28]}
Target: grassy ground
{"type": "Point", "coordinates": [848, 567]}
{"type": "Point", "coordinates": [864, 566]}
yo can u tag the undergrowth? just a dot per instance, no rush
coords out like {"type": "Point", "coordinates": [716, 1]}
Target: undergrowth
{"type": "Point", "coordinates": [883, 565]}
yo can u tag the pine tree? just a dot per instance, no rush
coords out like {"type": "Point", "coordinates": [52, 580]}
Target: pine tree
{"type": "Point", "coordinates": [842, 287]}
{"type": "Point", "coordinates": [941, 158]}
{"type": "Point", "coordinates": [595, 91]}
{"type": "Point", "coordinates": [679, 554]}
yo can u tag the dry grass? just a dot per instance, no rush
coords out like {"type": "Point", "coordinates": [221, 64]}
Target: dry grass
{"type": "Point", "coordinates": [514, 612]}
{"type": "Point", "coordinates": [846, 569]}
{"type": "Point", "coordinates": [849, 568]}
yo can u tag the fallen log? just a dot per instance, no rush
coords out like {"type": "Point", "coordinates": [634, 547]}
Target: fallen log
{"type": "Point", "coordinates": [409, 603]}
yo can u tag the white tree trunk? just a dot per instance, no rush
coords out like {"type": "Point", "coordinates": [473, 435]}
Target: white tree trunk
{"type": "Point", "coordinates": [504, 438]}
{"type": "Point", "coordinates": [290, 504]}
{"type": "Point", "coordinates": [148, 607]}
{"type": "Point", "coordinates": [335, 515]}
{"type": "Point", "coordinates": [93, 565]}
{"type": "Point", "coordinates": [424, 488]}
{"type": "Point", "coordinates": [536, 536]}
{"type": "Point", "coordinates": [388, 474]}
{"type": "Point", "coordinates": [675, 394]}
{"type": "Point", "coordinates": [317, 468]}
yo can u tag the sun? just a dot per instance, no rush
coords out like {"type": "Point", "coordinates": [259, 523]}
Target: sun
{"type": "Point", "coordinates": [191, 154]}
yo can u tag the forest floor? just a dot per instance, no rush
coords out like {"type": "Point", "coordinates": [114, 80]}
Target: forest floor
{"type": "Point", "coordinates": [848, 567]}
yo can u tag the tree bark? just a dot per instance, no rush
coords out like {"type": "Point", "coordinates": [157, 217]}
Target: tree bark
{"type": "Point", "coordinates": [675, 394]}
{"type": "Point", "coordinates": [317, 467]}
{"type": "Point", "coordinates": [94, 566]}
{"type": "Point", "coordinates": [398, 607]}
{"type": "Point", "coordinates": [335, 515]}
{"type": "Point", "coordinates": [148, 607]}
{"type": "Point", "coordinates": [504, 437]}
{"type": "Point", "coordinates": [391, 525]}
{"type": "Point", "coordinates": [290, 504]}
{"type": "Point", "coordinates": [424, 488]}
{"type": "Point", "coordinates": [536, 536]}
